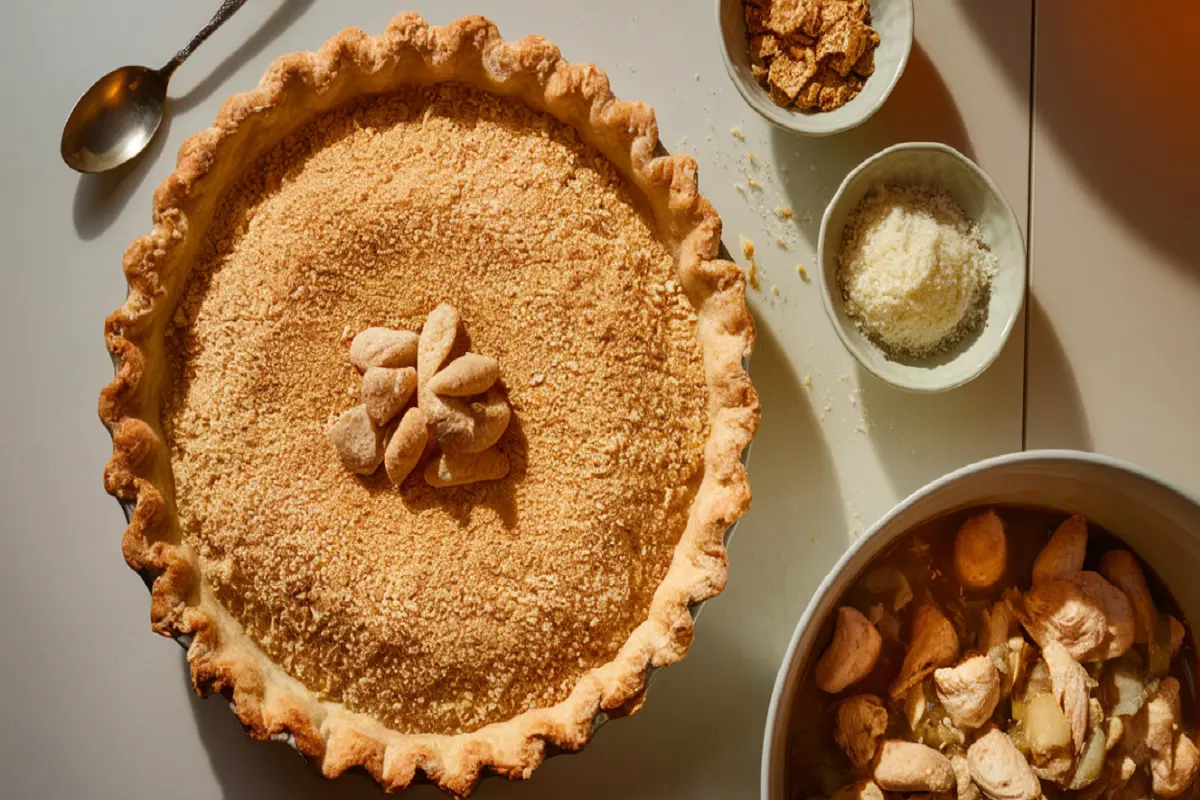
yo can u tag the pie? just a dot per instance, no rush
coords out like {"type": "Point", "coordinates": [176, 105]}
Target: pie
{"type": "Point", "coordinates": [429, 627]}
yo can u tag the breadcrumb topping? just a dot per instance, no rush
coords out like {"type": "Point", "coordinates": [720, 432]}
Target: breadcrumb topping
{"type": "Point", "coordinates": [438, 611]}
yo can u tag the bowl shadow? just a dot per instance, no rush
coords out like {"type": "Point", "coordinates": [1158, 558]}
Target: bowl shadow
{"type": "Point", "coordinates": [927, 435]}
{"type": "Point", "coordinates": [920, 108]}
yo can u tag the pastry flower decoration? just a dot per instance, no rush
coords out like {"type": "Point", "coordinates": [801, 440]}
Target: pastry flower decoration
{"type": "Point", "coordinates": [460, 412]}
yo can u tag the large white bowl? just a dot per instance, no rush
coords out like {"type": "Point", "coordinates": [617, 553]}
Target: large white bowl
{"type": "Point", "coordinates": [930, 164]}
{"type": "Point", "coordinates": [1160, 522]}
{"type": "Point", "coordinates": [891, 19]}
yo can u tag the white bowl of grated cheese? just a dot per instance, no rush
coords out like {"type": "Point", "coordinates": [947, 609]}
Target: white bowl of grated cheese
{"type": "Point", "coordinates": [935, 167]}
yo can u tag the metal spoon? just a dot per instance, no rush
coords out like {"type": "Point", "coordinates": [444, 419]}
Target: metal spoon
{"type": "Point", "coordinates": [119, 115]}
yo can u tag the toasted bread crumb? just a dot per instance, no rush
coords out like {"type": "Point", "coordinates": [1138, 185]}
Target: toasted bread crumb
{"type": "Point", "coordinates": [264, 500]}
{"type": "Point", "coordinates": [747, 246]}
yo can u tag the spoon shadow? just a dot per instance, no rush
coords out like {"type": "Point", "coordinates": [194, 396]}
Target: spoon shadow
{"type": "Point", "coordinates": [280, 20]}
{"type": "Point", "coordinates": [100, 198]}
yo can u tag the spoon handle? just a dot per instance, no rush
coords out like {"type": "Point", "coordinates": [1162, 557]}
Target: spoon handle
{"type": "Point", "coordinates": [223, 13]}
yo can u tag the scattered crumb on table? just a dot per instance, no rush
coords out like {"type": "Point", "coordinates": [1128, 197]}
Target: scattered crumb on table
{"type": "Point", "coordinates": [746, 245]}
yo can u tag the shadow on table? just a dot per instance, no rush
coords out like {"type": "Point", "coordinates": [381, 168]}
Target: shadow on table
{"type": "Point", "coordinates": [920, 109]}
{"type": "Point", "coordinates": [280, 20]}
{"type": "Point", "coordinates": [1125, 119]}
{"type": "Point", "coordinates": [99, 199]}
{"type": "Point", "coordinates": [702, 725]}
{"type": "Point", "coordinates": [1058, 419]}
{"type": "Point", "coordinates": [251, 770]}
{"type": "Point", "coordinates": [920, 437]}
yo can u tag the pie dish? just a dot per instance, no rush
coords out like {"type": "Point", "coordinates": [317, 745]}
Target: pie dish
{"type": "Point", "coordinates": [429, 630]}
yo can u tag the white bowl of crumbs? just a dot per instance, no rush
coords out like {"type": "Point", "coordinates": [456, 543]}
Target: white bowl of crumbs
{"type": "Point", "coordinates": [922, 267]}
{"type": "Point", "coordinates": [815, 67]}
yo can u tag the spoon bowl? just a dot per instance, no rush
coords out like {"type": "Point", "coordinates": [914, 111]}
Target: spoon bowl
{"type": "Point", "coordinates": [115, 119]}
{"type": "Point", "coordinates": [119, 115]}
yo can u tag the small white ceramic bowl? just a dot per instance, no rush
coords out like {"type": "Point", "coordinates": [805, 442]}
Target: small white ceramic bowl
{"type": "Point", "coordinates": [1160, 522]}
{"type": "Point", "coordinates": [938, 165]}
{"type": "Point", "coordinates": [891, 19]}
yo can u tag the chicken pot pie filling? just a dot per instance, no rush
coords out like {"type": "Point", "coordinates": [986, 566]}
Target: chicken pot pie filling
{"type": "Point", "coordinates": [1005, 653]}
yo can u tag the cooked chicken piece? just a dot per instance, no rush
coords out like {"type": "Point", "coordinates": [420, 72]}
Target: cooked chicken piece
{"type": "Point", "coordinates": [1058, 611]}
{"type": "Point", "coordinates": [965, 788]}
{"type": "Point", "coordinates": [1005, 645]}
{"type": "Point", "coordinates": [1173, 777]}
{"type": "Point", "coordinates": [998, 626]}
{"type": "Point", "coordinates": [999, 769]}
{"type": "Point", "coordinates": [861, 790]}
{"type": "Point", "coordinates": [934, 644]}
{"type": "Point", "coordinates": [1063, 555]}
{"type": "Point", "coordinates": [1087, 615]}
{"type": "Point", "coordinates": [1070, 682]}
{"type": "Point", "coordinates": [1055, 767]}
{"type": "Point", "coordinates": [1118, 615]}
{"type": "Point", "coordinates": [1174, 759]}
{"type": "Point", "coordinates": [911, 767]}
{"type": "Point", "coordinates": [915, 705]}
{"type": "Point", "coordinates": [1121, 567]}
{"type": "Point", "coordinates": [981, 550]}
{"type": "Point", "coordinates": [861, 722]}
{"type": "Point", "coordinates": [1162, 716]}
{"type": "Point", "coordinates": [851, 655]}
{"type": "Point", "coordinates": [970, 691]}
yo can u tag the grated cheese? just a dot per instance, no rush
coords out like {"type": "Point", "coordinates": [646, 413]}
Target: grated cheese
{"type": "Point", "coordinates": [914, 270]}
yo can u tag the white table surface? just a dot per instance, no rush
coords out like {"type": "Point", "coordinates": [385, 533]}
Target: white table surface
{"type": "Point", "coordinates": [99, 707]}
{"type": "Point", "coordinates": [1114, 324]}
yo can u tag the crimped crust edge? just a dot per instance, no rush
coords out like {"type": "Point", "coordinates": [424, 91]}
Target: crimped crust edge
{"type": "Point", "coordinates": [269, 703]}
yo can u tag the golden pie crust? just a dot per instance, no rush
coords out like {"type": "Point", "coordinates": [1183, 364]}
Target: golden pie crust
{"type": "Point", "coordinates": [416, 631]}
